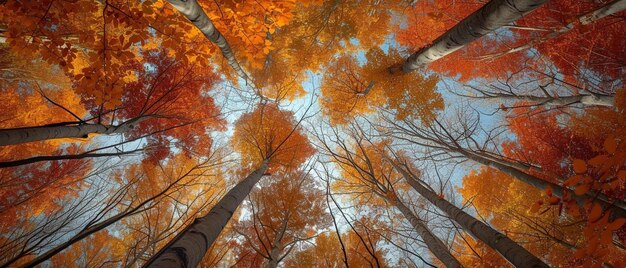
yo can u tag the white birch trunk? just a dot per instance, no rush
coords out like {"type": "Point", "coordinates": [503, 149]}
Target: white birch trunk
{"type": "Point", "coordinates": [585, 100]}
{"type": "Point", "coordinates": [194, 13]}
{"type": "Point", "coordinates": [488, 18]}
{"type": "Point", "coordinates": [617, 207]}
{"type": "Point", "coordinates": [30, 134]}
{"type": "Point", "coordinates": [586, 19]}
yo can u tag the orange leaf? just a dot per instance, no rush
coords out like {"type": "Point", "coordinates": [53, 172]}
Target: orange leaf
{"type": "Point", "coordinates": [598, 160]}
{"type": "Point", "coordinates": [573, 211]}
{"type": "Point", "coordinates": [580, 166]}
{"type": "Point", "coordinates": [582, 189]}
{"type": "Point", "coordinates": [596, 213]}
{"type": "Point", "coordinates": [549, 191]}
{"type": "Point", "coordinates": [573, 180]}
{"type": "Point", "coordinates": [616, 224]}
{"type": "Point", "coordinates": [606, 237]}
{"type": "Point", "coordinates": [610, 145]}
{"type": "Point", "coordinates": [554, 200]}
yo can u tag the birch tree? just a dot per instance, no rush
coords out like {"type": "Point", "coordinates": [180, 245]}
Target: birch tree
{"type": "Point", "coordinates": [493, 15]}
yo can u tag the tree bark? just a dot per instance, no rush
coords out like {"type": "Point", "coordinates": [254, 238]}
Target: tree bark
{"type": "Point", "coordinates": [586, 19]}
{"type": "Point", "coordinates": [194, 13]}
{"type": "Point", "coordinates": [434, 244]}
{"type": "Point", "coordinates": [585, 100]}
{"type": "Point", "coordinates": [277, 247]}
{"type": "Point", "coordinates": [30, 134]}
{"type": "Point", "coordinates": [274, 256]}
{"type": "Point", "coordinates": [36, 159]}
{"type": "Point", "coordinates": [617, 207]}
{"type": "Point", "coordinates": [488, 18]}
{"type": "Point", "coordinates": [513, 252]}
{"type": "Point", "coordinates": [188, 247]}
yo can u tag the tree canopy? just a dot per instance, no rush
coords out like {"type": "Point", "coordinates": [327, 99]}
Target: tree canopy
{"type": "Point", "coordinates": [316, 133]}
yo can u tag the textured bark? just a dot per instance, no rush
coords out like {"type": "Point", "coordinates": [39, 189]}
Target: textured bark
{"type": "Point", "coordinates": [488, 18]}
{"type": "Point", "coordinates": [434, 244]}
{"type": "Point", "coordinates": [513, 252]}
{"type": "Point", "coordinates": [188, 247]}
{"type": "Point", "coordinates": [194, 13]}
{"type": "Point", "coordinates": [30, 134]}
{"type": "Point", "coordinates": [585, 100]}
{"type": "Point", "coordinates": [617, 207]}
{"type": "Point", "coordinates": [585, 19]}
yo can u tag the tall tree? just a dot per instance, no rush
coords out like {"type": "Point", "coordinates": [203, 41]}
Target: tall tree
{"type": "Point", "coordinates": [144, 190]}
{"type": "Point", "coordinates": [464, 143]}
{"type": "Point", "coordinates": [508, 248]}
{"type": "Point", "coordinates": [366, 173]}
{"type": "Point", "coordinates": [493, 15]}
{"type": "Point", "coordinates": [271, 139]}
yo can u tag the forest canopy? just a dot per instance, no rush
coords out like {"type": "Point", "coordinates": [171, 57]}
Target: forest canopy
{"type": "Point", "coordinates": [316, 133]}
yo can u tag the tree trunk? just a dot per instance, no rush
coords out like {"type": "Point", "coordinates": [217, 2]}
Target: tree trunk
{"type": "Point", "coordinates": [274, 256]}
{"type": "Point", "coordinates": [585, 100]}
{"type": "Point", "coordinates": [586, 19]}
{"type": "Point", "coordinates": [194, 13]}
{"type": "Point", "coordinates": [617, 207]}
{"type": "Point", "coordinates": [36, 159]}
{"type": "Point", "coordinates": [188, 247]}
{"type": "Point", "coordinates": [277, 247]}
{"type": "Point", "coordinates": [434, 244]}
{"type": "Point", "coordinates": [91, 229]}
{"type": "Point", "coordinates": [30, 134]}
{"type": "Point", "coordinates": [488, 18]}
{"type": "Point", "coordinates": [513, 252]}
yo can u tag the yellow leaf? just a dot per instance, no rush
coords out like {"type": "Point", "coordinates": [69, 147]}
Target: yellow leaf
{"type": "Point", "coordinates": [535, 207]}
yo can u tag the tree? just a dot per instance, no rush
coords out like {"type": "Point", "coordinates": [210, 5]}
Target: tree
{"type": "Point", "coordinates": [462, 143]}
{"type": "Point", "coordinates": [324, 251]}
{"type": "Point", "coordinates": [585, 19]}
{"type": "Point", "coordinates": [271, 140]}
{"type": "Point", "coordinates": [145, 190]}
{"type": "Point", "coordinates": [194, 13]}
{"type": "Point", "coordinates": [366, 173]}
{"type": "Point", "coordinates": [111, 112]}
{"type": "Point", "coordinates": [287, 211]}
{"type": "Point", "coordinates": [510, 250]}
{"type": "Point", "coordinates": [167, 102]}
{"type": "Point", "coordinates": [488, 18]}
{"type": "Point", "coordinates": [550, 233]}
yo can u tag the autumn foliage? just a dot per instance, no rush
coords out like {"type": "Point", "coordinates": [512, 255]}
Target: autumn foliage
{"type": "Point", "coordinates": [125, 124]}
